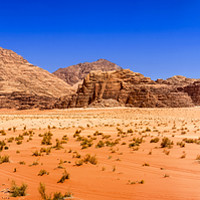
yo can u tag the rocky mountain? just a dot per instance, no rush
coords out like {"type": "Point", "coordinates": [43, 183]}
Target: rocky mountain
{"type": "Point", "coordinates": [103, 84]}
{"type": "Point", "coordinates": [76, 73]}
{"type": "Point", "coordinates": [127, 88]}
{"type": "Point", "coordinates": [23, 85]}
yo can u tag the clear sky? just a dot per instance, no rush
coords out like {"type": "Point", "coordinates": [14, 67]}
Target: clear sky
{"type": "Point", "coordinates": [158, 38]}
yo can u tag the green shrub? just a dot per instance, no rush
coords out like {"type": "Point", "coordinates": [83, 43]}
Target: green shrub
{"type": "Point", "coordinates": [64, 177]}
{"type": "Point", "coordinates": [100, 144]}
{"type": "Point", "coordinates": [58, 145]}
{"type": "Point", "coordinates": [47, 138]}
{"type": "Point", "coordinates": [4, 159]}
{"type": "Point", "coordinates": [154, 140]}
{"type": "Point", "coordinates": [18, 191]}
{"type": "Point", "coordinates": [46, 150]}
{"type": "Point", "coordinates": [56, 195]}
{"type": "Point", "coordinates": [166, 142]}
{"type": "Point", "coordinates": [2, 132]}
{"type": "Point", "coordinates": [36, 153]}
{"type": "Point", "coordinates": [43, 172]}
{"type": "Point", "coordinates": [22, 163]}
{"type": "Point", "coordinates": [90, 159]}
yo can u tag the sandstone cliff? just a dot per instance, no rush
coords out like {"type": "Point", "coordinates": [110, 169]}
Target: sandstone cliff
{"type": "Point", "coordinates": [23, 85]}
{"type": "Point", "coordinates": [128, 89]}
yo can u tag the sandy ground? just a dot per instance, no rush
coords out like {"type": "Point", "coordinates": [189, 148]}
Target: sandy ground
{"type": "Point", "coordinates": [146, 171]}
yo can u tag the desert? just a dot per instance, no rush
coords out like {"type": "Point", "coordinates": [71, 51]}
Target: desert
{"type": "Point", "coordinates": [107, 153]}
{"type": "Point", "coordinates": [100, 100]}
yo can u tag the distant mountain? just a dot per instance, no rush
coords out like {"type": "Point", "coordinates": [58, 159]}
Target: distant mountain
{"type": "Point", "coordinates": [76, 73]}
{"type": "Point", "coordinates": [23, 85]}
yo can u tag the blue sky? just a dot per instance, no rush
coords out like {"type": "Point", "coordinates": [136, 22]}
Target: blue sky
{"type": "Point", "coordinates": [158, 38]}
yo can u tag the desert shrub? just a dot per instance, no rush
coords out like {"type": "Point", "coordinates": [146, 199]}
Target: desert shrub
{"type": "Point", "coordinates": [2, 132]}
{"type": "Point", "coordinates": [130, 131]}
{"type": "Point", "coordinates": [90, 159]}
{"type": "Point", "coordinates": [79, 162]}
{"type": "Point", "coordinates": [29, 133]}
{"type": "Point", "coordinates": [135, 182]}
{"type": "Point", "coordinates": [85, 142]}
{"type": "Point", "coordinates": [36, 153]}
{"type": "Point", "coordinates": [87, 159]}
{"type": "Point", "coordinates": [43, 172]}
{"type": "Point", "coordinates": [166, 152]}
{"type": "Point", "coordinates": [100, 144]}
{"type": "Point", "coordinates": [146, 164]}
{"type": "Point", "coordinates": [45, 150]}
{"type": "Point", "coordinates": [76, 155]}
{"type": "Point", "coordinates": [6, 147]}
{"type": "Point", "coordinates": [166, 142]}
{"type": "Point", "coordinates": [147, 129]}
{"type": "Point", "coordinates": [64, 177]}
{"type": "Point", "coordinates": [19, 142]}
{"type": "Point", "coordinates": [47, 138]}
{"type": "Point", "coordinates": [56, 195]}
{"type": "Point", "coordinates": [77, 133]}
{"type": "Point", "coordinates": [97, 133]}
{"type": "Point", "coordinates": [4, 159]}
{"type": "Point", "coordinates": [183, 156]}
{"type": "Point", "coordinates": [190, 140]}
{"type": "Point", "coordinates": [10, 140]}
{"type": "Point", "coordinates": [105, 136]}
{"type": "Point", "coordinates": [42, 191]}
{"type": "Point", "coordinates": [18, 191]}
{"type": "Point", "coordinates": [34, 163]}
{"type": "Point", "coordinates": [19, 137]}
{"type": "Point", "coordinates": [22, 163]}
{"type": "Point", "coordinates": [65, 137]}
{"type": "Point", "coordinates": [181, 144]}
{"type": "Point", "coordinates": [58, 145]}
{"type": "Point", "coordinates": [136, 142]}
{"type": "Point", "coordinates": [154, 140]}
{"type": "Point", "coordinates": [2, 145]}
{"type": "Point", "coordinates": [141, 182]}
{"type": "Point", "coordinates": [60, 196]}
{"type": "Point", "coordinates": [166, 176]}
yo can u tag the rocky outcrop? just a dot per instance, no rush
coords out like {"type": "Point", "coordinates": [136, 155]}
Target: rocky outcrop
{"type": "Point", "coordinates": [128, 89]}
{"type": "Point", "coordinates": [23, 85]}
{"type": "Point", "coordinates": [76, 73]}
{"type": "Point", "coordinates": [193, 90]}
{"type": "Point", "coordinates": [177, 81]}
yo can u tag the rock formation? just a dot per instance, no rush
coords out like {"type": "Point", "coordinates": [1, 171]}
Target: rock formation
{"type": "Point", "coordinates": [23, 85]}
{"type": "Point", "coordinates": [128, 89]}
{"type": "Point", "coordinates": [76, 73]}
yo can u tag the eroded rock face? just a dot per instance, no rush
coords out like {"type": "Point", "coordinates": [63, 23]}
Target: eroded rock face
{"type": "Point", "coordinates": [23, 85]}
{"type": "Point", "coordinates": [76, 73]}
{"type": "Point", "coordinates": [177, 81]}
{"type": "Point", "coordinates": [193, 90]}
{"type": "Point", "coordinates": [128, 89]}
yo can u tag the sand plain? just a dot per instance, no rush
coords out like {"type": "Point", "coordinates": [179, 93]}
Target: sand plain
{"type": "Point", "coordinates": [130, 165]}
